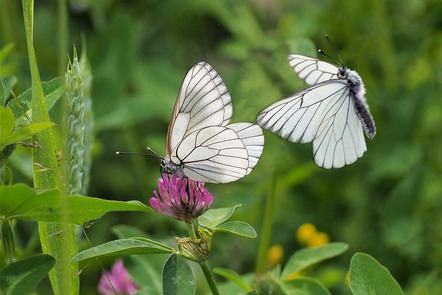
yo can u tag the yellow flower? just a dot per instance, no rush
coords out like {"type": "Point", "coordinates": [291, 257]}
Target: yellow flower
{"type": "Point", "coordinates": [305, 233]}
{"type": "Point", "coordinates": [274, 255]}
{"type": "Point", "coordinates": [318, 239]}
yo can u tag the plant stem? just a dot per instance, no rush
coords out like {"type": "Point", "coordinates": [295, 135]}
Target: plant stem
{"type": "Point", "coordinates": [266, 227]}
{"type": "Point", "coordinates": [191, 230]}
{"type": "Point", "coordinates": [209, 277]}
{"type": "Point", "coordinates": [8, 241]}
{"type": "Point", "coordinates": [62, 247]}
{"type": "Point", "coordinates": [62, 36]}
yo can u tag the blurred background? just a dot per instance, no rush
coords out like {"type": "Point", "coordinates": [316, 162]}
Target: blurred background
{"type": "Point", "coordinates": [388, 204]}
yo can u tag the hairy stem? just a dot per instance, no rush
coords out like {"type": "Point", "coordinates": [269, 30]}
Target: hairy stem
{"type": "Point", "coordinates": [191, 230]}
{"type": "Point", "coordinates": [209, 277]}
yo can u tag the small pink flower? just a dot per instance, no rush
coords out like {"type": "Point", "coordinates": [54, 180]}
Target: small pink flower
{"type": "Point", "coordinates": [121, 280]}
{"type": "Point", "coordinates": [181, 198]}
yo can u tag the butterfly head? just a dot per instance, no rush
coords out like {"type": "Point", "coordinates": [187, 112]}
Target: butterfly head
{"type": "Point", "coordinates": [163, 166]}
{"type": "Point", "coordinates": [169, 167]}
{"type": "Point", "coordinates": [343, 73]}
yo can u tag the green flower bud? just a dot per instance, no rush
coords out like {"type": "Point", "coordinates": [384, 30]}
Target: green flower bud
{"type": "Point", "coordinates": [196, 250]}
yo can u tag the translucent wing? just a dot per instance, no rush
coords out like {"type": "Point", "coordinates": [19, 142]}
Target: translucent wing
{"type": "Point", "coordinates": [312, 70]}
{"type": "Point", "coordinates": [203, 100]}
{"type": "Point", "coordinates": [323, 113]}
{"type": "Point", "coordinates": [340, 139]}
{"type": "Point", "coordinates": [220, 154]}
{"type": "Point", "coordinates": [253, 140]}
{"type": "Point", "coordinates": [200, 144]}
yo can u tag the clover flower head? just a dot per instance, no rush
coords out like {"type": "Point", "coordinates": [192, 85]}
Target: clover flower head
{"type": "Point", "coordinates": [181, 198]}
{"type": "Point", "coordinates": [121, 281]}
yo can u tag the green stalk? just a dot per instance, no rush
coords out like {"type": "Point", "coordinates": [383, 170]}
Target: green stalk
{"type": "Point", "coordinates": [62, 36]}
{"type": "Point", "coordinates": [266, 227]}
{"type": "Point", "coordinates": [8, 241]}
{"type": "Point", "coordinates": [63, 246]}
{"type": "Point", "coordinates": [6, 23]}
{"type": "Point", "coordinates": [202, 263]}
{"type": "Point", "coordinates": [209, 277]}
{"type": "Point", "coordinates": [191, 230]}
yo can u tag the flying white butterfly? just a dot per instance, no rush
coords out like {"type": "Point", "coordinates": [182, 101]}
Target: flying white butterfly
{"type": "Point", "coordinates": [331, 113]}
{"type": "Point", "coordinates": [200, 143]}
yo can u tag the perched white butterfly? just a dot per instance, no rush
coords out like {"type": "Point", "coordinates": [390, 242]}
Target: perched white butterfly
{"type": "Point", "coordinates": [200, 143]}
{"type": "Point", "coordinates": [331, 113]}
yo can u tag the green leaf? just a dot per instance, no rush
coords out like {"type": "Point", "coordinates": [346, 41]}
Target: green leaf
{"type": "Point", "coordinates": [52, 91]}
{"type": "Point", "coordinates": [123, 247]}
{"type": "Point", "coordinates": [145, 270]}
{"type": "Point", "coordinates": [304, 286]}
{"type": "Point", "coordinates": [8, 84]}
{"type": "Point", "coordinates": [369, 277]}
{"type": "Point", "coordinates": [306, 257]}
{"type": "Point", "coordinates": [21, 201]}
{"type": "Point", "coordinates": [215, 217]}
{"type": "Point", "coordinates": [27, 131]}
{"type": "Point", "coordinates": [7, 124]}
{"type": "Point", "coordinates": [22, 276]}
{"type": "Point", "coordinates": [253, 292]}
{"type": "Point", "coordinates": [178, 277]}
{"type": "Point", "coordinates": [153, 242]}
{"type": "Point", "coordinates": [239, 228]}
{"type": "Point", "coordinates": [83, 209]}
{"type": "Point", "coordinates": [232, 276]}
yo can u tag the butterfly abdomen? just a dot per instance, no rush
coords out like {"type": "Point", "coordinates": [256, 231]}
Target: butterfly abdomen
{"type": "Point", "coordinates": [366, 118]}
{"type": "Point", "coordinates": [357, 90]}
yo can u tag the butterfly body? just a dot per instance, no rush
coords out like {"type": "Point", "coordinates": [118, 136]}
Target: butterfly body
{"type": "Point", "coordinates": [169, 167]}
{"type": "Point", "coordinates": [357, 89]}
{"type": "Point", "coordinates": [201, 144]}
{"type": "Point", "coordinates": [331, 113]}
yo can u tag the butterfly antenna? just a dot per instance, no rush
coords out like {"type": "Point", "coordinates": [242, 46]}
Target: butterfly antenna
{"type": "Point", "coordinates": [334, 49]}
{"type": "Point", "coordinates": [153, 153]}
{"type": "Point", "coordinates": [325, 54]}
{"type": "Point", "coordinates": [132, 154]}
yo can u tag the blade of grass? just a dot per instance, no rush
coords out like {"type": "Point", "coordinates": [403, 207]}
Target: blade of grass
{"type": "Point", "coordinates": [62, 36]}
{"type": "Point", "coordinates": [266, 231]}
{"type": "Point", "coordinates": [63, 246]}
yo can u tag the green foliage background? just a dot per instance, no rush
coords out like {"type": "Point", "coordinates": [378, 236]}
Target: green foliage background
{"type": "Point", "coordinates": [387, 204]}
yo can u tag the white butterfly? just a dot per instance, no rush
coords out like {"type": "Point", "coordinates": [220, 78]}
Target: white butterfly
{"type": "Point", "coordinates": [331, 113]}
{"type": "Point", "coordinates": [200, 143]}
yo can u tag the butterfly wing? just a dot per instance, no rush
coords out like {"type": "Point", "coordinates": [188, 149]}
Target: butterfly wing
{"type": "Point", "coordinates": [253, 139]}
{"type": "Point", "coordinates": [312, 70]}
{"type": "Point", "coordinates": [323, 113]}
{"type": "Point", "coordinates": [219, 154]}
{"type": "Point", "coordinates": [203, 100]}
{"type": "Point", "coordinates": [339, 140]}
{"type": "Point", "coordinates": [200, 141]}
